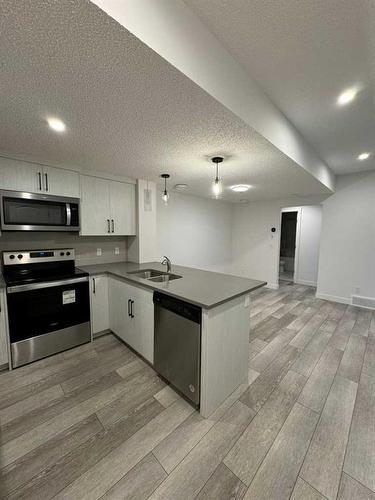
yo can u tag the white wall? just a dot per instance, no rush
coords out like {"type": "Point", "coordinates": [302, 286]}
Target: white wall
{"type": "Point", "coordinates": [142, 247]}
{"type": "Point", "coordinates": [195, 232]}
{"type": "Point", "coordinates": [347, 252]}
{"type": "Point", "coordinates": [255, 248]}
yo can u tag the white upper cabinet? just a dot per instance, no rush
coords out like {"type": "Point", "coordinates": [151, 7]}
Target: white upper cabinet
{"type": "Point", "coordinates": [107, 207]}
{"type": "Point", "coordinates": [95, 216]}
{"type": "Point", "coordinates": [32, 178]}
{"type": "Point", "coordinates": [60, 182]}
{"type": "Point", "coordinates": [122, 206]}
{"type": "Point", "coordinates": [20, 176]}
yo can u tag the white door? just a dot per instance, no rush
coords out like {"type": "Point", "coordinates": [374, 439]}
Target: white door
{"type": "Point", "coordinates": [122, 203]}
{"type": "Point", "coordinates": [99, 304]}
{"type": "Point", "coordinates": [95, 210]}
{"type": "Point", "coordinates": [60, 182]}
{"type": "Point", "coordinates": [20, 176]}
{"type": "Point", "coordinates": [3, 338]}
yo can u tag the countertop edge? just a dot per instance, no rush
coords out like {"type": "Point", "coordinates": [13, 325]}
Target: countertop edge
{"type": "Point", "coordinates": [143, 284]}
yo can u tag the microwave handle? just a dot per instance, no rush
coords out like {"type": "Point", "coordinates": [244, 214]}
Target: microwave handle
{"type": "Point", "coordinates": [68, 215]}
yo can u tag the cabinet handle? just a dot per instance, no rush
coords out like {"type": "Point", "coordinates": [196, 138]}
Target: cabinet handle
{"type": "Point", "coordinates": [129, 308]}
{"type": "Point", "coordinates": [131, 303]}
{"type": "Point", "coordinates": [108, 226]}
{"type": "Point", "coordinates": [113, 226]}
{"type": "Point", "coordinates": [40, 181]}
{"type": "Point", "coordinates": [46, 178]}
{"type": "Point", "coordinates": [93, 285]}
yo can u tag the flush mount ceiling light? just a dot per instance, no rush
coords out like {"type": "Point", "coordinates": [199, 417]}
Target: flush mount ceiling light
{"type": "Point", "coordinates": [165, 195]}
{"type": "Point", "coordinates": [181, 187]}
{"type": "Point", "coordinates": [347, 96]}
{"type": "Point", "coordinates": [240, 188]}
{"type": "Point", "coordinates": [363, 156]}
{"type": "Point", "coordinates": [217, 187]}
{"type": "Point", "coordinates": [56, 124]}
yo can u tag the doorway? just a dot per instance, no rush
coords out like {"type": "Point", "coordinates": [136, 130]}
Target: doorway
{"type": "Point", "coordinates": [287, 262]}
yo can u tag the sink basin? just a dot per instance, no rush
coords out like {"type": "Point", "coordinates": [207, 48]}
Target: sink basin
{"type": "Point", "coordinates": [164, 278]}
{"type": "Point", "coordinates": [146, 273]}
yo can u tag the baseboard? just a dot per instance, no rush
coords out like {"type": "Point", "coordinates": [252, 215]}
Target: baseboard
{"type": "Point", "coordinates": [100, 334]}
{"type": "Point", "coordinates": [272, 286]}
{"type": "Point", "coordinates": [305, 282]}
{"type": "Point", "coordinates": [333, 298]}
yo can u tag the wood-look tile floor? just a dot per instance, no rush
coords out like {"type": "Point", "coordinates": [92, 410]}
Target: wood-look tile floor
{"type": "Point", "coordinates": [96, 422]}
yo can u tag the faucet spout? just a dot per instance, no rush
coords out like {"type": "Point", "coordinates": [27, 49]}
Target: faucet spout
{"type": "Point", "coordinates": [167, 262]}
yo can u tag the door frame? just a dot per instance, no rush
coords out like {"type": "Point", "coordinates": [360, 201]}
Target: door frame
{"type": "Point", "coordinates": [297, 242]}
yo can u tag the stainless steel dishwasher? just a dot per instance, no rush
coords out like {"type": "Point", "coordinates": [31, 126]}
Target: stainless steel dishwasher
{"type": "Point", "coordinates": [177, 344]}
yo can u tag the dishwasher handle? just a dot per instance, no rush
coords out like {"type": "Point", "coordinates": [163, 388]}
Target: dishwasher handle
{"type": "Point", "coordinates": [179, 307]}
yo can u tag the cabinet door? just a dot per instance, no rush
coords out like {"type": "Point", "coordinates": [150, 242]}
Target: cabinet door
{"type": "Point", "coordinates": [119, 320]}
{"type": "Point", "coordinates": [99, 304]}
{"type": "Point", "coordinates": [3, 338]}
{"type": "Point", "coordinates": [95, 211]}
{"type": "Point", "coordinates": [122, 205]}
{"type": "Point", "coordinates": [60, 182]}
{"type": "Point", "coordinates": [20, 176]}
{"type": "Point", "coordinates": [143, 310]}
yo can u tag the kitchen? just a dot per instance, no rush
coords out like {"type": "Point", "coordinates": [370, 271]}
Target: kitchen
{"type": "Point", "coordinates": [147, 346]}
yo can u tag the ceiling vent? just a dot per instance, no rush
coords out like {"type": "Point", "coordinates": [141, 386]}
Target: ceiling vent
{"type": "Point", "coordinates": [367, 302]}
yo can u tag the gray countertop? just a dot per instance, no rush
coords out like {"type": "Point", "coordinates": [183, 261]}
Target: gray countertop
{"type": "Point", "coordinates": [203, 288]}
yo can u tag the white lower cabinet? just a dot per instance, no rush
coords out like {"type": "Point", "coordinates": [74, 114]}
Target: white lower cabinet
{"type": "Point", "coordinates": [3, 336]}
{"type": "Point", "coordinates": [99, 304]}
{"type": "Point", "coordinates": [131, 316]}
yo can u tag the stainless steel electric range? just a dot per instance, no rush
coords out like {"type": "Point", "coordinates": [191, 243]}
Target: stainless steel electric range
{"type": "Point", "coordinates": [48, 303]}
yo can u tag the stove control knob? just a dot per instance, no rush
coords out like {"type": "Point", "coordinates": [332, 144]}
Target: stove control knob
{"type": "Point", "coordinates": [68, 253]}
{"type": "Point", "coordinates": [11, 257]}
{"type": "Point", "coordinates": [62, 254]}
{"type": "Point", "coordinates": [20, 256]}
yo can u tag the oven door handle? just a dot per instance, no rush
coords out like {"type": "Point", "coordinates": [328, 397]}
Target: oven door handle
{"type": "Point", "coordinates": [45, 284]}
{"type": "Point", "coordinates": [68, 215]}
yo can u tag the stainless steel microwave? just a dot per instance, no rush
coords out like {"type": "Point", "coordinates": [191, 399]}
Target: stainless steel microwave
{"type": "Point", "coordinates": [38, 212]}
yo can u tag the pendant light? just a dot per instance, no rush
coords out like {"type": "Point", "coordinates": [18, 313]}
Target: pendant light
{"type": "Point", "coordinates": [165, 195]}
{"type": "Point", "coordinates": [217, 187]}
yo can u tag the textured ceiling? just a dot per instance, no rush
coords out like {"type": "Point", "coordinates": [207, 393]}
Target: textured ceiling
{"type": "Point", "coordinates": [303, 53]}
{"type": "Point", "coordinates": [127, 111]}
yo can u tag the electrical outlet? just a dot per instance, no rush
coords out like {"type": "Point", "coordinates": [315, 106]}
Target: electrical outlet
{"type": "Point", "coordinates": [98, 252]}
{"type": "Point", "coordinates": [117, 251]}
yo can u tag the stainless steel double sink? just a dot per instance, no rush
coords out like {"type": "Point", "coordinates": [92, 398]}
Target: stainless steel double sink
{"type": "Point", "coordinates": [155, 276]}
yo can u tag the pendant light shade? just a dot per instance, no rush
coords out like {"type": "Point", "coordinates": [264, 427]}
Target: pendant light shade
{"type": "Point", "coordinates": [165, 195]}
{"type": "Point", "coordinates": [217, 186]}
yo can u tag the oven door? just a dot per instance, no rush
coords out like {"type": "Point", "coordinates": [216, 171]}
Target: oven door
{"type": "Point", "coordinates": [45, 318]}
{"type": "Point", "coordinates": [34, 212]}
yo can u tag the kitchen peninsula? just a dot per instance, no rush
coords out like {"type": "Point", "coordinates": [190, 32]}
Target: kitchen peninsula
{"type": "Point", "coordinates": [225, 317]}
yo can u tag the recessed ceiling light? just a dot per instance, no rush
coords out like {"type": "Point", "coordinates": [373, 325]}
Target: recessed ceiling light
{"type": "Point", "coordinates": [347, 96]}
{"type": "Point", "coordinates": [56, 124]}
{"type": "Point", "coordinates": [240, 188]}
{"type": "Point", "coordinates": [181, 187]}
{"type": "Point", "coordinates": [363, 156]}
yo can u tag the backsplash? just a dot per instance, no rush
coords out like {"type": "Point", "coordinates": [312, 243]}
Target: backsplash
{"type": "Point", "coordinates": [85, 246]}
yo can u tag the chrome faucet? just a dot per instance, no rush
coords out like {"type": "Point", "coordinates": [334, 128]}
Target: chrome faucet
{"type": "Point", "coordinates": [167, 262]}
